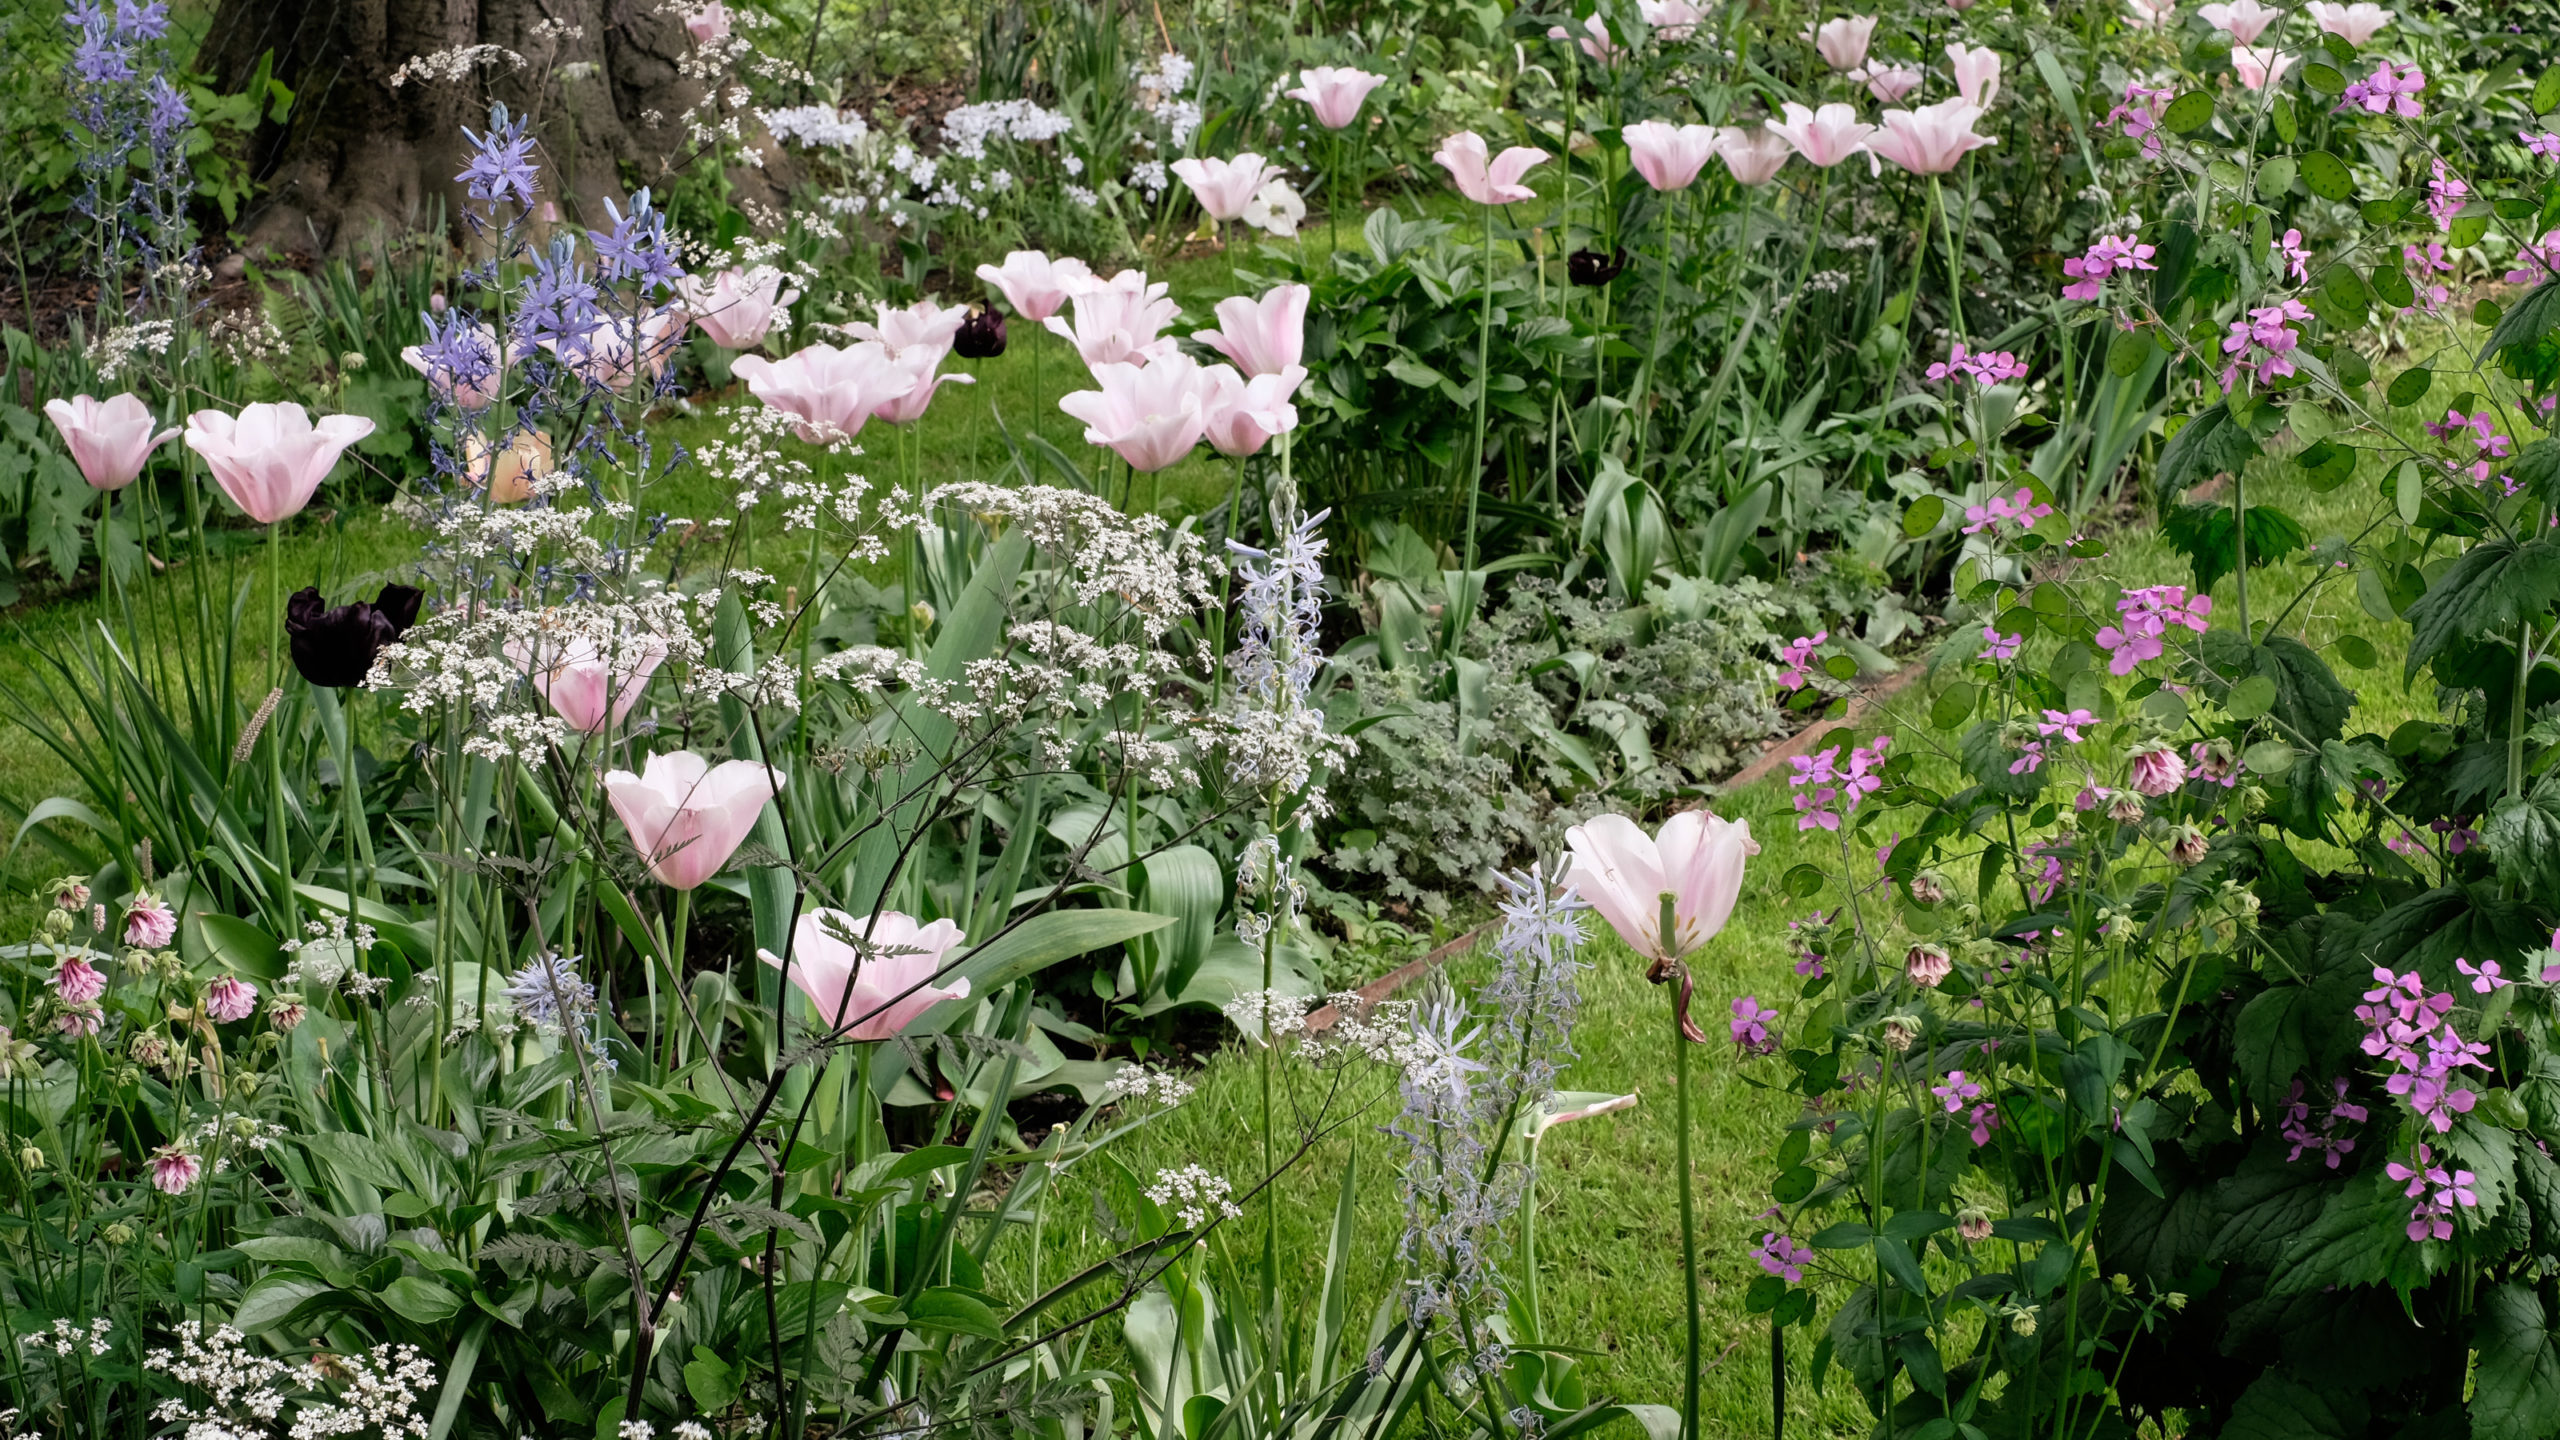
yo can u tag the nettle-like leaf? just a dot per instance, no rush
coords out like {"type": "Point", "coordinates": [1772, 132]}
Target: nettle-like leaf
{"type": "Point", "coordinates": [2517, 1379]}
{"type": "Point", "coordinates": [2210, 538]}
{"type": "Point", "coordinates": [2211, 444]}
{"type": "Point", "coordinates": [2278, 1407]}
{"type": "Point", "coordinates": [2533, 317]}
{"type": "Point", "coordinates": [2495, 584]}
{"type": "Point", "coordinates": [2360, 1238]}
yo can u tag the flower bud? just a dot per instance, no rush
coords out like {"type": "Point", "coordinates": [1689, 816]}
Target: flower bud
{"type": "Point", "coordinates": [31, 1158]}
{"type": "Point", "coordinates": [352, 361]}
{"type": "Point", "coordinates": [1927, 965]}
{"type": "Point", "coordinates": [1900, 1031]}
{"type": "Point", "coordinates": [1974, 1224]}
{"type": "Point", "coordinates": [58, 924]}
{"type": "Point", "coordinates": [2124, 808]}
{"type": "Point", "coordinates": [118, 1234]}
{"type": "Point", "coordinates": [2186, 844]}
{"type": "Point", "coordinates": [921, 614]}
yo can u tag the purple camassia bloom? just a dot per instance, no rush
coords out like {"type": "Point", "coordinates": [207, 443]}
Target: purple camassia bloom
{"type": "Point", "coordinates": [501, 164]}
{"type": "Point", "coordinates": [637, 248]}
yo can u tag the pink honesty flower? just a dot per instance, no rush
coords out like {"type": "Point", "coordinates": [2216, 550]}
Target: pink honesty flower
{"type": "Point", "coordinates": [77, 981]}
{"type": "Point", "coordinates": [1696, 858]}
{"type": "Point", "coordinates": [589, 687]}
{"type": "Point", "coordinates": [2536, 263]}
{"type": "Point", "coordinates": [1150, 417]}
{"type": "Point", "coordinates": [1240, 416]}
{"type": "Point", "coordinates": [1977, 73]}
{"type": "Point", "coordinates": [2485, 978]}
{"type": "Point", "coordinates": [1824, 137]}
{"type": "Point", "coordinates": [2543, 145]}
{"type": "Point", "coordinates": [1673, 20]}
{"type": "Point", "coordinates": [1487, 181]}
{"type": "Point", "coordinates": [1265, 336]}
{"type": "Point", "coordinates": [2354, 24]}
{"type": "Point", "coordinates": [1035, 285]}
{"type": "Point", "coordinates": [1118, 321]}
{"type": "Point", "coordinates": [270, 458]}
{"type": "Point", "coordinates": [2106, 254]}
{"type": "Point", "coordinates": [2243, 20]}
{"type": "Point", "coordinates": [1782, 1257]}
{"type": "Point", "coordinates": [1595, 40]}
{"type": "Point", "coordinates": [829, 393]}
{"type": "Point", "coordinates": [922, 368]}
{"type": "Point", "coordinates": [708, 25]}
{"type": "Point", "coordinates": [1753, 156]}
{"type": "Point", "coordinates": [2021, 509]}
{"type": "Point", "coordinates": [110, 439]}
{"type": "Point", "coordinates": [174, 1171]}
{"type": "Point", "coordinates": [1750, 1027]}
{"type": "Point", "coordinates": [1669, 156]}
{"type": "Point", "coordinates": [2387, 92]}
{"type": "Point", "coordinates": [2002, 647]}
{"type": "Point", "coordinates": [2066, 723]}
{"type": "Point", "coordinates": [1223, 187]}
{"type": "Point", "coordinates": [2030, 758]}
{"type": "Point", "coordinates": [1987, 367]}
{"type": "Point", "coordinates": [1931, 139]}
{"type": "Point", "coordinates": [2140, 115]}
{"type": "Point", "coordinates": [687, 816]}
{"type": "Point", "coordinates": [2258, 66]}
{"type": "Point", "coordinates": [2149, 14]}
{"type": "Point", "coordinates": [2445, 194]}
{"type": "Point", "coordinates": [1888, 83]}
{"type": "Point", "coordinates": [736, 307]}
{"type": "Point", "coordinates": [1797, 656]}
{"type": "Point", "coordinates": [2157, 770]}
{"type": "Point", "coordinates": [2266, 339]}
{"type": "Point", "coordinates": [149, 923]}
{"type": "Point", "coordinates": [870, 979]}
{"type": "Point", "coordinates": [2147, 613]}
{"type": "Point", "coordinates": [227, 1000]}
{"type": "Point", "coordinates": [1335, 93]}
{"type": "Point", "coordinates": [1842, 42]}
{"type": "Point", "coordinates": [2295, 255]}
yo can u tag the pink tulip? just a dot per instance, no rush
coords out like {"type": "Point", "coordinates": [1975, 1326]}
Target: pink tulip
{"type": "Point", "coordinates": [1335, 93]}
{"type": "Point", "coordinates": [920, 366]}
{"type": "Point", "coordinates": [1669, 156]}
{"type": "Point", "coordinates": [1931, 139]}
{"type": "Point", "coordinates": [827, 391]}
{"type": "Point", "coordinates": [2243, 20]}
{"type": "Point", "coordinates": [1842, 42]}
{"type": "Point", "coordinates": [1150, 416]}
{"type": "Point", "coordinates": [271, 458]}
{"type": "Point", "coordinates": [1697, 859]}
{"type": "Point", "coordinates": [1119, 320]}
{"type": "Point", "coordinates": [1753, 156]}
{"type": "Point", "coordinates": [1262, 337]}
{"type": "Point", "coordinates": [708, 24]}
{"type": "Point", "coordinates": [1826, 136]}
{"type": "Point", "coordinates": [1977, 73]}
{"type": "Point", "coordinates": [476, 394]}
{"type": "Point", "coordinates": [1888, 83]}
{"type": "Point", "coordinates": [687, 816]}
{"type": "Point", "coordinates": [1035, 285]}
{"type": "Point", "coordinates": [2354, 24]}
{"type": "Point", "coordinates": [110, 439]}
{"type": "Point", "coordinates": [871, 997]}
{"type": "Point", "coordinates": [736, 308]}
{"type": "Point", "coordinates": [589, 688]}
{"type": "Point", "coordinates": [921, 326]}
{"type": "Point", "coordinates": [604, 355]}
{"type": "Point", "coordinates": [2149, 14]}
{"type": "Point", "coordinates": [1672, 19]}
{"type": "Point", "coordinates": [2259, 66]}
{"type": "Point", "coordinates": [1240, 416]}
{"type": "Point", "coordinates": [1595, 42]}
{"type": "Point", "coordinates": [1223, 187]}
{"type": "Point", "coordinates": [1487, 182]}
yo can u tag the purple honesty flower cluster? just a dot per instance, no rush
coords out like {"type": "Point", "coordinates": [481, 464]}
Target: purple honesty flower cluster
{"type": "Point", "coordinates": [1751, 1027]}
{"type": "Point", "coordinates": [2327, 1139]}
{"type": "Point", "coordinates": [2147, 613]}
{"type": "Point", "coordinates": [2445, 196]}
{"type": "Point", "coordinates": [1987, 367]}
{"type": "Point", "coordinates": [2480, 432]}
{"type": "Point", "coordinates": [1781, 1256]}
{"type": "Point", "coordinates": [1825, 791]}
{"type": "Point", "coordinates": [2021, 510]}
{"type": "Point", "coordinates": [2140, 116]}
{"type": "Point", "coordinates": [2270, 334]}
{"type": "Point", "coordinates": [2384, 92]}
{"type": "Point", "coordinates": [2107, 255]}
{"type": "Point", "coordinates": [125, 110]}
{"type": "Point", "coordinates": [2405, 1024]}
{"type": "Point", "coordinates": [2295, 255]}
{"type": "Point", "coordinates": [2536, 263]}
{"type": "Point", "coordinates": [1797, 656]}
{"type": "Point", "coordinates": [2543, 144]}
{"type": "Point", "coordinates": [1963, 1097]}
{"type": "Point", "coordinates": [2437, 1192]}
{"type": "Point", "coordinates": [2422, 268]}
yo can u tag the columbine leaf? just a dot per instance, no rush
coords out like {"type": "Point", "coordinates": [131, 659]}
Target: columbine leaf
{"type": "Point", "coordinates": [2494, 585]}
{"type": "Point", "coordinates": [2517, 1380]}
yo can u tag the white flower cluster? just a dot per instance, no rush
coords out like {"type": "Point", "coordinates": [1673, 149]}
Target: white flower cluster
{"type": "Point", "coordinates": [1275, 1012]}
{"type": "Point", "coordinates": [378, 1392]}
{"type": "Point", "coordinates": [450, 65]}
{"type": "Point", "coordinates": [1192, 1193]}
{"type": "Point", "coordinates": [1161, 94]}
{"type": "Point", "coordinates": [968, 129]}
{"type": "Point", "coordinates": [244, 1390]}
{"type": "Point", "coordinates": [1382, 1032]}
{"type": "Point", "coordinates": [67, 1339]}
{"type": "Point", "coordinates": [1158, 575]}
{"type": "Point", "coordinates": [116, 351]}
{"type": "Point", "coordinates": [816, 125]}
{"type": "Point", "coordinates": [1146, 1086]}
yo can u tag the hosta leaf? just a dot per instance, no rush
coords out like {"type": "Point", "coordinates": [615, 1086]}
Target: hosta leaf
{"type": "Point", "coordinates": [2493, 586]}
{"type": "Point", "coordinates": [423, 1302]}
{"type": "Point", "coordinates": [2517, 1379]}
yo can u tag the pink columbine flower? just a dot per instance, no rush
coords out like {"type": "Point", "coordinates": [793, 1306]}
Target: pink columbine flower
{"type": "Point", "coordinates": [1753, 156]}
{"type": "Point", "coordinates": [1977, 71]}
{"type": "Point", "coordinates": [687, 816]}
{"type": "Point", "coordinates": [1223, 187]}
{"type": "Point", "coordinates": [174, 1171]}
{"type": "Point", "coordinates": [2002, 647]}
{"type": "Point", "coordinates": [1484, 178]}
{"type": "Point", "coordinates": [737, 307]}
{"type": "Point", "coordinates": [830, 394]}
{"type": "Point", "coordinates": [270, 458]}
{"type": "Point", "coordinates": [1669, 156]}
{"type": "Point", "coordinates": [284, 1012]}
{"type": "Point", "coordinates": [1888, 83]}
{"type": "Point", "coordinates": [2259, 66]}
{"type": "Point", "coordinates": [1239, 416]}
{"type": "Point", "coordinates": [1824, 137]}
{"type": "Point", "coordinates": [2157, 770]}
{"type": "Point", "coordinates": [227, 999]}
{"type": "Point", "coordinates": [1036, 286]}
{"type": "Point", "coordinates": [1150, 417]}
{"type": "Point", "coordinates": [870, 978]}
{"type": "Point", "coordinates": [2354, 24]}
{"type": "Point", "coordinates": [1928, 965]}
{"type": "Point", "coordinates": [77, 981]}
{"type": "Point", "coordinates": [1262, 337]}
{"type": "Point", "coordinates": [1335, 93]}
{"type": "Point", "coordinates": [2106, 255]}
{"type": "Point", "coordinates": [1931, 139]}
{"type": "Point", "coordinates": [1119, 321]}
{"type": "Point", "coordinates": [149, 923]}
{"type": "Point", "coordinates": [1842, 42]}
{"type": "Point", "coordinates": [1797, 656]}
{"type": "Point", "coordinates": [590, 687]}
{"type": "Point", "coordinates": [1595, 40]}
{"type": "Point", "coordinates": [110, 439]}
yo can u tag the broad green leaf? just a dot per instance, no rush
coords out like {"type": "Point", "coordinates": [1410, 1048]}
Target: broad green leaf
{"type": "Point", "coordinates": [2278, 1407]}
{"type": "Point", "coordinates": [2466, 231]}
{"type": "Point", "coordinates": [2392, 284]}
{"type": "Point", "coordinates": [2251, 698]}
{"type": "Point", "coordinates": [274, 1299]}
{"type": "Point", "coordinates": [2189, 112]}
{"type": "Point", "coordinates": [2533, 317]}
{"type": "Point", "coordinates": [2517, 1379]}
{"type": "Point", "coordinates": [2327, 464]}
{"type": "Point", "coordinates": [422, 1302]}
{"type": "Point", "coordinates": [2522, 835]}
{"type": "Point", "coordinates": [2129, 351]}
{"type": "Point", "coordinates": [2361, 1229]}
{"type": "Point", "coordinates": [2345, 290]}
{"type": "Point", "coordinates": [1953, 705]}
{"type": "Point", "coordinates": [1044, 940]}
{"type": "Point", "coordinates": [1923, 516]}
{"type": "Point", "coordinates": [2357, 651]}
{"type": "Point", "coordinates": [2211, 444]}
{"type": "Point", "coordinates": [2275, 178]}
{"type": "Point", "coordinates": [2271, 1049]}
{"type": "Point", "coordinates": [2410, 386]}
{"type": "Point", "coordinates": [955, 1310]}
{"type": "Point", "coordinates": [710, 1381]}
{"type": "Point", "coordinates": [2323, 78]}
{"type": "Point", "coordinates": [2492, 587]}
{"type": "Point", "coordinates": [2327, 176]}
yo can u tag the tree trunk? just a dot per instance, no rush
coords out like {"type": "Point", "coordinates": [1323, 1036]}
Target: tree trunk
{"type": "Point", "coordinates": [361, 157]}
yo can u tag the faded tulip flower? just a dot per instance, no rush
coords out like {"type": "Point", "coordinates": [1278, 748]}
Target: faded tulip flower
{"type": "Point", "coordinates": [828, 392]}
{"type": "Point", "coordinates": [149, 923]}
{"type": "Point", "coordinates": [618, 350]}
{"type": "Point", "coordinates": [1888, 83]}
{"type": "Point", "coordinates": [1755, 156]}
{"type": "Point", "coordinates": [1931, 139]}
{"type": "Point", "coordinates": [227, 1000]}
{"type": "Point", "coordinates": [270, 458]}
{"type": "Point", "coordinates": [1036, 286]}
{"type": "Point", "coordinates": [1595, 40]}
{"type": "Point", "coordinates": [906, 330]}
{"type": "Point", "coordinates": [1276, 208]}
{"type": "Point", "coordinates": [1977, 72]}
{"type": "Point", "coordinates": [873, 996]}
{"type": "Point", "coordinates": [1223, 187]}
{"type": "Point", "coordinates": [687, 816]}
{"type": "Point", "coordinates": [508, 477]}
{"type": "Point", "coordinates": [1842, 42]}
{"type": "Point", "coordinates": [1696, 859]}
{"type": "Point", "coordinates": [1335, 93]}
{"type": "Point", "coordinates": [736, 308]}
{"type": "Point", "coordinates": [1669, 156]}
{"type": "Point", "coordinates": [1825, 137]}
{"type": "Point", "coordinates": [2356, 24]}
{"type": "Point", "coordinates": [334, 647]}
{"type": "Point", "coordinates": [2243, 20]}
{"type": "Point", "coordinates": [1672, 20]}
{"type": "Point", "coordinates": [923, 369]}
{"type": "Point", "coordinates": [981, 336]}
{"type": "Point", "coordinates": [1150, 416]}
{"type": "Point", "coordinates": [2150, 14]}
{"type": "Point", "coordinates": [1119, 321]}
{"type": "Point", "coordinates": [587, 688]}
{"type": "Point", "coordinates": [2259, 66]}
{"type": "Point", "coordinates": [1261, 337]}
{"type": "Point", "coordinates": [110, 439]}
{"type": "Point", "coordinates": [1239, 416]}
{"type": "Point", "coordinates": [1487, 181]}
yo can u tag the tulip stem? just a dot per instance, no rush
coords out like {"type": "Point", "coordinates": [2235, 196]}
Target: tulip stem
{"type": "Point", "coordinates": [1474, 478]}
{"type": "Point", "coordinates": [1688, 1202]}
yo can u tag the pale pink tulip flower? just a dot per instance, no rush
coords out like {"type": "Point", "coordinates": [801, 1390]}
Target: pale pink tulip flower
{"type": "Point", "coordinates": [1669, 156]}
{"type": "Point", "coordinates": [737, 308]}
{"type": "Point", "coordinates": [588, 687]}
{"type": "Point", "coordinates": [923, 326]}
{"type": "Point", "coordinates": [1931, 139]}
{"type": "Point", "coordinates": [1150, 416]}
{"type": "Point", "coordinates": [1223, 187]}
{"type": "Point", "coordinates": [1696, 859]}
{"type": "Point", "coordinates": [2356, 24]}
{"type": "Point", "coordinates": [1335, 93]}
{"type": "Point", "coordinates": [1240, 416]}
{"type": "Point", "coordinates": [2259, 66]}
{"type": "Point", "coordinates": [873, 996]}
{"type": "Point", "coordinates": [687, 816]}
{"type": "Point", "coordinates": [922, 367]}
{"type": "Point", "coordinates": [1262, 337]}
{"type": "Point", "coordinates": [2243, 20]}
{"type": "Point", "coordinates": [1595, 40]}
{"type": "Point", "coordinates": [2150, 14]}
{"type": "Point", "coordinates": [1487, 181]}
{"type": "Point", "coordinates": [1824, 137]}
{"type": "Point", "coordinates": [1036, 286]}
{"type": "Point", "coordinates": [1977, 73]}
{"type": "Point", "coordinates": [1888, 83]}
{"type": "Point", "coordinates": [1673, 20]}
{"type": "Point", "coordinates": [828, 392]}
{"type": "Point", "coordinates": [708, 24]}
{"type": "Point", "coordinates": [1754, 156]}
{"type": "Point", "coordinates": [110, 439]}
{"type": "Point", "coordinates": [270, 459]}
{"type": "Point", "coordinates": [1960, 6]}
{"type": "Point", "coordinates": [1119, 321]}
{"type": "Point", "coordinates": [1842, 42]}
{"type": "Point", "coordinates": [474, 394]}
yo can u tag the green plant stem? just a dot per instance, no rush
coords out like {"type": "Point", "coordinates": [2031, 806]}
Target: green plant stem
{"type": "Point", "coordinates": [1688, 1200]}
{"type": "Point", "coordinates": [2240, 553]}
{"type": "Point", "coordinates": [1474, 478]}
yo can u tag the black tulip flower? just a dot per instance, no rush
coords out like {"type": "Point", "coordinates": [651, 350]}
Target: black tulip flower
{"type": "Point", "coordinates": [1590, 267]}
{"type": "Point", "coordinates": [981, 336]}
{"type": "Point", "coordinates": [335, 647]}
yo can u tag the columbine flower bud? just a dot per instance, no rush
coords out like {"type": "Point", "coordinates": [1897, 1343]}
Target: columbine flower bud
{"type": "Point", "coordinates": [117, 1234]}
{"type": "Point", "coordinates": [1927, 964]}
{"type": "Point", "coordinates": [2024, 1321]}
{"type": "Point", "coordinates": [2124, 807]}
{"type": "Point", "coordinates": [1974, 1224]}
{"type": "Point", "coordinates": [2186, 844]}
{"type": "Point", "coordinates": [1900, 1031]}
{"type": "Point", "coordinates": [58, 924]}
{"type": "Point", "coordinates": [1929, 887]}
{"type": "Point", "coordinates": [352, 361]}
{"type": "Point", "coordinates": [31, 1158]}
{"type": "Point", "coordinates": [920, 614]}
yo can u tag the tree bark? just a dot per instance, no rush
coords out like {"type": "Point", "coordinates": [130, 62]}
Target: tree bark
{"type": "Point", "coordinates": [360, 158]}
